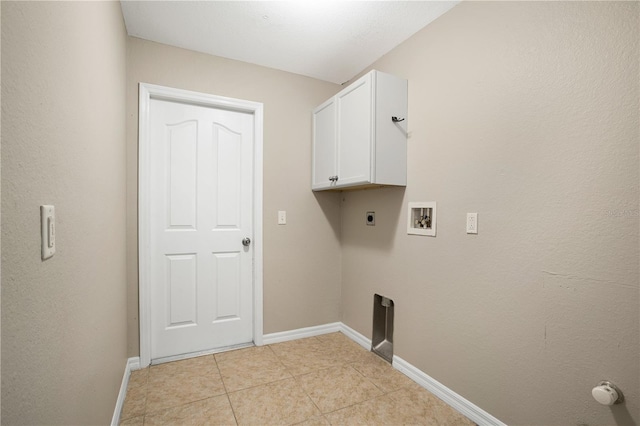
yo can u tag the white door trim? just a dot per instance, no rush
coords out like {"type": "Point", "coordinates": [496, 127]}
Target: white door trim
{"type": "Point", "coordinates": [146, 93]}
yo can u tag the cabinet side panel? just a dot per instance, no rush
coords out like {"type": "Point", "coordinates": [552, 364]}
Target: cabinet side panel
{"type": "Point", "coordinates": [391, 138]}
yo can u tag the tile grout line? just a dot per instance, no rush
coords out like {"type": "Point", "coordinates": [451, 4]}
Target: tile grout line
{"type": "Point", "coordinates": [309, 397]}
{"type": "Point", "coordinates": [373, 383]}
{"type": "Point", "coordinates": [295, 379]}
{"type": "Point", "coordinates": [153, 413]}
{"type": "Point", "coordinates": [226, 392]}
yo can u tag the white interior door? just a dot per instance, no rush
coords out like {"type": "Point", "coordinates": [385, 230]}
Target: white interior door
{"type": "Point", "coordinates": [201, 210]}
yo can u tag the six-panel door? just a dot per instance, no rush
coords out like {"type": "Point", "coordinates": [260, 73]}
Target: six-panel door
{"type": "Point", "coordinates": [201, 275]}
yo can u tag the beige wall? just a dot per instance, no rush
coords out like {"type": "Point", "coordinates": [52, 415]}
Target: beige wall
{"type": "Point", "coordinates": [302, 258]}
{"type": "Point", "coordinates": [526, 113]}
{"type": "Point", "coordinates": [63, 143]}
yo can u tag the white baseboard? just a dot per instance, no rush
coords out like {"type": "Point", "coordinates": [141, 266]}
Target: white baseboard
{"type": "Point", "coordinates": [455, 401]}
{"type": "Point", "coordinates": [132, 364]}
{"type": "Point", "coordinates": [355, 336]}
{"type": "Point", "coordinates": [301, 333]}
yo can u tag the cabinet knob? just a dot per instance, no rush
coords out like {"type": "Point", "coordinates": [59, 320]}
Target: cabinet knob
{"type": "Point", "coordinates": [397, 119]}
{"type": "Point", "coordinates": [333, 178]}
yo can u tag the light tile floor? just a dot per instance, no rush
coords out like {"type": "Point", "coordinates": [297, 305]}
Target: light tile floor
{"type": "Point", "coordinates": [324, 380]}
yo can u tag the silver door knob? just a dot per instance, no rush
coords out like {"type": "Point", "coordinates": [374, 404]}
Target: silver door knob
{"type": "Point", "coordinates": [246, 242]}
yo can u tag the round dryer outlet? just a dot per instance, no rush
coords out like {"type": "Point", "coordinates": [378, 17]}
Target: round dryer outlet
{"type": "Point", "coordinates": [371, 218]}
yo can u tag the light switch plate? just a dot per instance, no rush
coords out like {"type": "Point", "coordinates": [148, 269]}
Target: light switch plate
{"type": "Point", "coordinates": [282, 217]}
{"type": "Point", "coordinates": [48, 230]}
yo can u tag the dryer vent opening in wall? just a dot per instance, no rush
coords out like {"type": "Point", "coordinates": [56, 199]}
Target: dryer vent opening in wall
{"type": "Point", "coordinates": [382, 339]}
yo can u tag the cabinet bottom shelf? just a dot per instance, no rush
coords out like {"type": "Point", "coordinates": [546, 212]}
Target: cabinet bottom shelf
{"type": "Point", "coordinates": [359, 187]}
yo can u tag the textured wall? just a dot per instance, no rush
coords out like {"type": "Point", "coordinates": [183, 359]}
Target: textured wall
{"type": "Point", "coordinates": [63, 143]}
{"type": "Point", "coordinates": [302, 258]}
{"type": "Point", "coordinates": [526, 113]}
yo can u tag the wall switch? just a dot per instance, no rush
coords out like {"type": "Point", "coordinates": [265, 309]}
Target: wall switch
{"type": "Point", "coordinates": [472, 223]}
{"type": "Point", "coordinates": [48, 230]}
{"type": "Point", "coordinates": [282, 217]}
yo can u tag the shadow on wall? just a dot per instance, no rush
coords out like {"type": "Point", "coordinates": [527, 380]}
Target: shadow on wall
{"type": "Point", "coordinates": [621, 415]}
{"type": "Point", "coordinates": [387, 204]}
{"type": "Point", "coordinates": [329, 202]}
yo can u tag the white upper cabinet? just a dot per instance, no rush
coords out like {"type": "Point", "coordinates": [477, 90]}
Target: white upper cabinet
{"type": "Point", "coordinates": [360, 135]}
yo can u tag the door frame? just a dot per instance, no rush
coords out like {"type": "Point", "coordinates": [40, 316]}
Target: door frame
{"type": "Point", "coordinates": [147, 92]}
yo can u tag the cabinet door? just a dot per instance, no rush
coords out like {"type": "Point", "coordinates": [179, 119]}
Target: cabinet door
{"type": "Point", "coordinates": [354, 133]}
{"type": "Point", "coordinates": [324, 145]}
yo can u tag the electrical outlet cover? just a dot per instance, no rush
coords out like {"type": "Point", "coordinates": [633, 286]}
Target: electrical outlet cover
{"type": "Point", "coordinates": [472, 223]}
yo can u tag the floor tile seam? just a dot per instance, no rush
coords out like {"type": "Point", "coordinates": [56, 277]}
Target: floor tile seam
{"type": "Point", "coordinates": [318, 415]}
{"type": "Point", "coordinates": [294, 356]}
{"type": "Point", "coordinates": [153, 413]}
{"type": "Point", "coordinates": [257, 386]}
{"type": "Point", "coordinates": [224, 385]}
{"type": "Point", "coordinates": [392, 390]}
{"type": "Point", "coordinates": [134, 385]}
{"type": "Point", "coordinates": [249, 374]}
{"type": "Point", "coordinates": [180, 362]}
{"type": "Point", "coordinates": [385, 396]}
{"type": "Point", "coordinates": [293, 362]}
{"type": "Point", "coordinates": [382, 389]}
{"type": "Point", "coordinates": [308, 396]}
{"type": "Point", "coordinates": [144, 405]}
{"type": "Point", "coordinates": [181, 374]}
{"type": "Point", "coordinates": [341, 408]}
{"type": "Point", "coordinates": [267, 364]}
{"type": "Point", "coordinates": [278, 358]}
{"type": "Point", "coordinates": [285, 366]}
{"type": "Point", "coordinates": [239, 357]}
{"type": "Point", "coordinates": [367, 379]}
{"type": "Point", "coordinates": [370, 380]}
{"type": "Point", "coordinates": [317, 341]}
{"type": "Point", "coordinates": [262, 384]}
{"type": "Point", "coordinates": [348, 406]}
{"type": "Point", "coordinates": [215, 356]}
{"type": "Point", "coordinates": [226, 391]}
{"type": "Point", "coordinates": [183, 403]}
{"type": "Point", "coordinates": [281, 380]}
{"type": "Point", "coordinates": [132, 416]}
{"type": "Point", "coordinates": [317, 370]}
{"type": "Point", "coordinates": [233, 411]}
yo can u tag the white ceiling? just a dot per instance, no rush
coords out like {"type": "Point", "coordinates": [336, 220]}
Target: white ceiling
{"type": "Point", "coordinates": [327, 40]}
